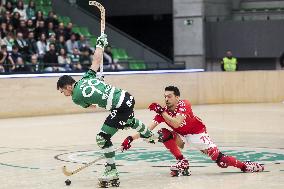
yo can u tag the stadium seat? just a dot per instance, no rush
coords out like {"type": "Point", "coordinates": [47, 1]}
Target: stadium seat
{"type": "Point", "coordinates": [137, 65]}
{"type": "Point", "coordinates": [84, 31]}
{"type": "Point", "coordinates": [93, 41]}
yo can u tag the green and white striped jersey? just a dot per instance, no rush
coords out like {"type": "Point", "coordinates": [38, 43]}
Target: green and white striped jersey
{"type": "Point", "coordinates": [90, 90]}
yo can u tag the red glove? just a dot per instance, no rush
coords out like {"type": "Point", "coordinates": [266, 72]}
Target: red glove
{"type": "Point", "coordinates": [156, 107]}
{"type": "Point", "coordinates": [126, 143]}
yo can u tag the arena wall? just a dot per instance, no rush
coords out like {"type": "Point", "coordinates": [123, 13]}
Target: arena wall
{"type": "Point", "coordinates": [38, 96]}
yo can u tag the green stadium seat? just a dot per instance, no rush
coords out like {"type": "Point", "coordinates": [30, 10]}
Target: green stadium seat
{"type": "Point", "coordinates": [137, 65]}
{"type": "Point", "coordinates": [76, 29]}
{"type": "Point", "coordinates": [93, 41]}
{"type": "Point", "coordinates": [84, 31]}
{"type": "Point", "coordinates": [120, 54]}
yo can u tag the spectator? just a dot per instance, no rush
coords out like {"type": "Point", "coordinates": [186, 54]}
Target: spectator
{"type": "Point", "coordinates": [72, 44]}
{"type": "Point", "coordinates": [41, 46]}
{"type": "Point", "coordinates": [7, 17]}
{"type": "Point", "coordinates": [60, 43]}
{"type": "Point", "coordinates": [15, 54]}
{"type": "Point", "coordinates": [51, 40]}
{"type": "Point", "coordinates": [23, 29]}
{"type": "Point", "coordinates": [20, 9]}
{"type": "Point", "coordinates": [40, 29]}
{"type": "Point", "coordinates": [64, 60]}
{"type": "Point", "coordinates": [60, 30]}
{"type": "Point", "coordinates": [38, 18]}
{"type": "Point", "coordinates": [9, 41]}
{"type": "Point", "coordinates": [10, 28]}
{"type": "Point", "coordinates": [3, 29]}
{"type": "Point", "coordinates": [30, 26]}
{"type": "Point", "coordinates": [75, 60]}
{"type": "Point", "coordinates": [9, 7]}
{"type": "Point", "coordinates": [109, 62]}
{"type": "Point", "coordinates": [68, 31]}
{"type": "Point", "coordinates": [15, 20]}
{"type": "Point", "coordinates": [31, 10]}
{"type": "Point", "coordinates": [20, 65]}
{"type": "Point", "coordinates": [52, 18]}
{"type": "Point", "coordinates": [51, 60]}
{"type": "Point", "coordinates": [21, 44]}
{"type": "Point", "coordinates": [2, 9]}
{"type": "Point", "coordinates": [34, 64]}
{"type": "Point", "coordinates": [83, 43]}
{"type": "Point", "coordinates": [6, 61]}
{"type": "Point", "coordinates": [85, 59]}
{"type": "Point", "coordinates": [229, 63]}
{"type": "Point", "coordinates": [32, 44]}
{"type": "Point", "coordinates": [50, 29]}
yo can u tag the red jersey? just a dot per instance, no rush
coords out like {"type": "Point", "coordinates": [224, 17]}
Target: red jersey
{"type": "Point", "coordinates": [190, 125]}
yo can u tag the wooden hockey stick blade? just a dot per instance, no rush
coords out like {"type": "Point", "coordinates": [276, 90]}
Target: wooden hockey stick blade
{"type": "Point", "coordinates": [70, 173]}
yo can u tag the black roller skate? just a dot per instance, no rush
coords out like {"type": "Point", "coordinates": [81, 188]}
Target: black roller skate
{"type": "Point", "coordinates": [180, 169]}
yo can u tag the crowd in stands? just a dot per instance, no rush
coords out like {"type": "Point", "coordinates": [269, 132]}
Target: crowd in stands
{"type": "Point", "coordinates": [32, 42]}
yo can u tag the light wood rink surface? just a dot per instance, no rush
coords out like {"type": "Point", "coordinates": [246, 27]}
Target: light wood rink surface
{"type": "Point", "coordinates": [33, 149]}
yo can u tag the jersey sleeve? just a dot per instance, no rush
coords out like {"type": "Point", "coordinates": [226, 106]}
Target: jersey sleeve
{"type": "Point", "coordinates": [90, 74]}
{"type": "Point", "coordinates": [158, 119]}
{"type": "Point", "coordinates": [83, 104]}
{"type": "Point", "coordinates": [184, 109]}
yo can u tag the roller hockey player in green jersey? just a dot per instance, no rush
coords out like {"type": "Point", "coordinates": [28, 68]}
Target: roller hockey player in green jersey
{"type": "Point", "coordinates": [90, 91]}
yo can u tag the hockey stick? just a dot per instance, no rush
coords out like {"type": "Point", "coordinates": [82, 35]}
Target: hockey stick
{"type": "Point", "coordinates": [102, 11]}
{"type": "Point", "coordinates": [70, 173]}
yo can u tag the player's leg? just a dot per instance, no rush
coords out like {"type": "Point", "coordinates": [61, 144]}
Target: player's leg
{"type": "Point", "coordinates": [173, 143]}
{"type": "Point", "coordinates": [203, 142]}
{"type": "Point", "coordinates": [104, 141]}
{"type": "Point", "coordinates": [128, 119]}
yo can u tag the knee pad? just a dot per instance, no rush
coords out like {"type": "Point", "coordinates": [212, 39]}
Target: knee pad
{"type": "Point", "coordinates": [165, 135]}
{"type": "Point", "coordinates": [103, 140]}
{"type": "Point", "coordinates": [221, 161]}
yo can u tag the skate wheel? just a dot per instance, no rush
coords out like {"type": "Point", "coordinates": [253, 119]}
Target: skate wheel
{"type": "Point", "coordinates": [115, 183]}
{"type": "Point", "coordinates": [103, 184]}
{"type": "Point", "coordinates": [186, 173]}
{"type": "Point", "coordinates": [174, 173]}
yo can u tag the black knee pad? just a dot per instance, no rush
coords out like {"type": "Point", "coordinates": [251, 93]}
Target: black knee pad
{"type": "Point", "coordinates": [165, 135]}
{"type": "Point", "coordinates": [220, 161]}
{"type": "Point", "coordinates": [103, 140]}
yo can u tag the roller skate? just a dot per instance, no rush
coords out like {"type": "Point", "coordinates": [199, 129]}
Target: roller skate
{"type": "Point", "coordinates": [251, 167]}
{"type": "Point", "coordinates": [180, 169]}
{"type": "Point", "coordinates": [109, 178]}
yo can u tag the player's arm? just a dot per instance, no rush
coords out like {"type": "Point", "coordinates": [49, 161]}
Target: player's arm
{"type": "Point", "coordinates": [151, 127]}
{"type": "Point", "coordinates": [126, 144]}
{"type": "Point", "coordinates": [98, 54]}
{"type": "Point", "coordinates": [175, 122]}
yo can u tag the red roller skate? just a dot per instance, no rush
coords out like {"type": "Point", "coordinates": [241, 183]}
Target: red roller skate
{"type": "Point", "coordinates": [180, 169]}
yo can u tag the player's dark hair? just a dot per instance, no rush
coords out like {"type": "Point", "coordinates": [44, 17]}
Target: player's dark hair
{"type": "Point", "coordinates": [65, 80]}
{"type": "Point", "coordinates": [174, 89]}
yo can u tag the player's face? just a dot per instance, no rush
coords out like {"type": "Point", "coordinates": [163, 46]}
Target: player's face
{"type": "Point", "coordinates": [67, 90]}
{"type": "Point", "coordinates": [171, 99]}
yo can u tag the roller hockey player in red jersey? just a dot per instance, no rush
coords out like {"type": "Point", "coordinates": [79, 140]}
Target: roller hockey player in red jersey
{"type": "Point", "coordinates": [187, 128]}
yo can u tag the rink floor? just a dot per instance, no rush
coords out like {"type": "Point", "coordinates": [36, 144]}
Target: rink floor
{"type": "Point", "coordinates": [33, 150]}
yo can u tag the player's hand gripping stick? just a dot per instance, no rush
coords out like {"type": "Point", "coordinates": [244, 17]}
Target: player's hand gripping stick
{"type": "Point", "coordinates": [126, 144]}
